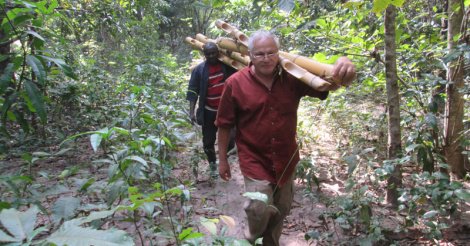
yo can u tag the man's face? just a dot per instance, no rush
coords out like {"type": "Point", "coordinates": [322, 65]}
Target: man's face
{"type": "Point", "coordinates": [212, 55]}
{"type": "Point", "coordinates": [265, 56]}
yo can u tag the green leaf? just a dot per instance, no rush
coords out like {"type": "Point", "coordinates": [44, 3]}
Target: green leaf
{"type": "Point", "coordinates": [381, 5]}
{"type": "Point", "coordinates": [365, 242]}
{"type": "Point", "coordinates": [209, 225]}
{"type": "Point", "coordinates": [185, 233]}
{"type": "Point", "coordinates": [397, 3]}
{"type": "Point", "coordinates": [36, 99]}
{"type": "Point", "coordinates": [352, 161]}
{"type": "Point", "coordinates": [93, 216]}
{"type": "Point", "coordinates": [19, 224]}
{"type": "Point", "coordinates": [4, 238]}
{"type": "Point", "coordinates": [62, 65]}
{"type": "Point", "coordinates": [62, 151]}
{"type": "Point", "coordinates": [121, 131]}
{"type": "Point", "coordinates": [137, 159]}
{"type": "Point", "coordinates": [431, 120]}
{"type": "Point", "coordinates": [4, 205]}
{"type": "Point", "coordinates": [463, 194]}
{"type": "Point", "coordinates": [95, 141]}
{"type": "Point", "coordinates": [73, 235]}
{"type": "Point", "coordinates": [5, 79]}
{"type": "Point", "coordinates": [65, 207]}
{"type": "Point", "coordinates": [188, 233]}
{"type": "Point", "coordinates": [412, 147]}
{"type": "Point", "coordinates": [35, 34]}
{"type": "Point", "coordinates": [365, 215]}
{"type": "Point", "coordinates": [430, 214]}
{"type": "Point", "coordinates": [256, 196]}
{"type": "Point", "coordinates": [53, 4]}
{"type": "Point", "coordinates": [286, 5]}
{"type": "Point", "coordinates": [37, 68]}
{"type": "Point", "coordinates": [312, 235]}
{"type": "Point", "coordinates": [88, 183]}
{"type": "Point", "coordinates": [41, 154]}
{"type": "Point", "coordinates": [466, 3]}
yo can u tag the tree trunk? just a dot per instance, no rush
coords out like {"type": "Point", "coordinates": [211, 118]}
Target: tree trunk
{"type": "Point", "coordinates": [393, 104]}
{"type": "Point", "coordinates": [5, 47]}
{"type": "Point", "coordinates": [453, 124]}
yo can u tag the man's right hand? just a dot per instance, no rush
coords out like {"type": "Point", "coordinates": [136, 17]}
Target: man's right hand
{"type": "Point", "coordinates": [224, 170]}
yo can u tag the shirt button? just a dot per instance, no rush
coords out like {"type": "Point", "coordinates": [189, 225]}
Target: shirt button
{"type": "Point", "coordinates": [272, 123]}
{"type": "Point", "coordinates": [271, 108]}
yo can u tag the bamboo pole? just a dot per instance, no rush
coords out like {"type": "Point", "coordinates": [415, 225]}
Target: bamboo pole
{"type": "Point", "coordinates": [231, 62]}
{"type": "Point", "coordinates": [198, 45]}
{"type": "Point", "coordinates": [201, 37]}
{"type": "Point", "coordinates": [230, 44]}
{"type": "Point", "coordinates": [303, 75]}
{"type": "Point", "coordinates": [323, 70]}
{"type": "Point", "coordinates": [194, 43]}
{"type": "Point", "coordinates": [233, 31]}
{"type": "Point", "coordinates": [315, 67]}
{"type": "Point", "coordinates": [245, 60]}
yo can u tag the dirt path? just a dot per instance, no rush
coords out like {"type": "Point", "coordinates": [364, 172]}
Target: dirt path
{"type": "Point", "coordinates": [226, 198]}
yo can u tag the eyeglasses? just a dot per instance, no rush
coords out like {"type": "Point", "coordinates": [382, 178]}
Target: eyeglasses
{"type": "Point", "coordinates": [264, 55]}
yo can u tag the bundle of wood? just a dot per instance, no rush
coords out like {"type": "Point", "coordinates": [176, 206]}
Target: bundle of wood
{"type": "Point", "coordinates": [234, 52]}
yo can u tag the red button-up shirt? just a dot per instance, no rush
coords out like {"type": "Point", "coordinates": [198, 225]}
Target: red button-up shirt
{"type": "Point", "coordinates": [266, 123]}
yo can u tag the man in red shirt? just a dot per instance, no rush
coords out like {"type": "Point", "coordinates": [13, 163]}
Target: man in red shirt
{"type": "Point", "coordinates": [205, 86]}
{"type": "Point", "coordinates": [261, 102]}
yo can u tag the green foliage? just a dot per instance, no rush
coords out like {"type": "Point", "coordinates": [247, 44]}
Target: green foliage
{"type": "Point", "coordinates": [65, 207]}
{"type": "Point", "coordinates": [24, 80]}
{"type": "Point", "coordinates": [20, 225]}
{"type": "Point", "coordinates": [306, 170]}
{"type": "Point", "coordinates": [381, 5]}
{"type": "Point", "coordinates": [71, 234]}
{"type": "Point", "coordinates": [112, 71]}
{"type": "Point", "coordinates": [432, 201]}
{"type": "Point", "coordinates": [218, 237]}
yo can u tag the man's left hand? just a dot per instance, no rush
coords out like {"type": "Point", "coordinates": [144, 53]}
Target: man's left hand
{"type": "Point", "coordinates": [344, 71]}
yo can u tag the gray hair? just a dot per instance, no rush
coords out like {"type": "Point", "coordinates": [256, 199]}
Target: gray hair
{"type": "Point", "coordinates": [259, 35]}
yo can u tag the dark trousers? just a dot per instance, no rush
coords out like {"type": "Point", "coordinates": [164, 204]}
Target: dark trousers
{"type": "Point", "coordinates": [209, 135]}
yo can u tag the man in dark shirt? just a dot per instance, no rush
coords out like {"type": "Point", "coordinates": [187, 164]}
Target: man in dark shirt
{"type": "Point", "coordinates": [261, 101]}
{"type": "Point", "coordinates": [206, 85]}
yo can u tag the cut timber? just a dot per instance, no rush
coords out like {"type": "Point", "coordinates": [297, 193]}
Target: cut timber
{"type": "Point", "coordinates": [233, 31]}
{"type": "Point", "coordinates": [306, 77]}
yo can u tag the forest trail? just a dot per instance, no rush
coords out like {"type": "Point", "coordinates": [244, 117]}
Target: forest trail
{"type": "Point", "coordinates": [226, 197]}
{"type": "Point", "coordinates": [210, 200]}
